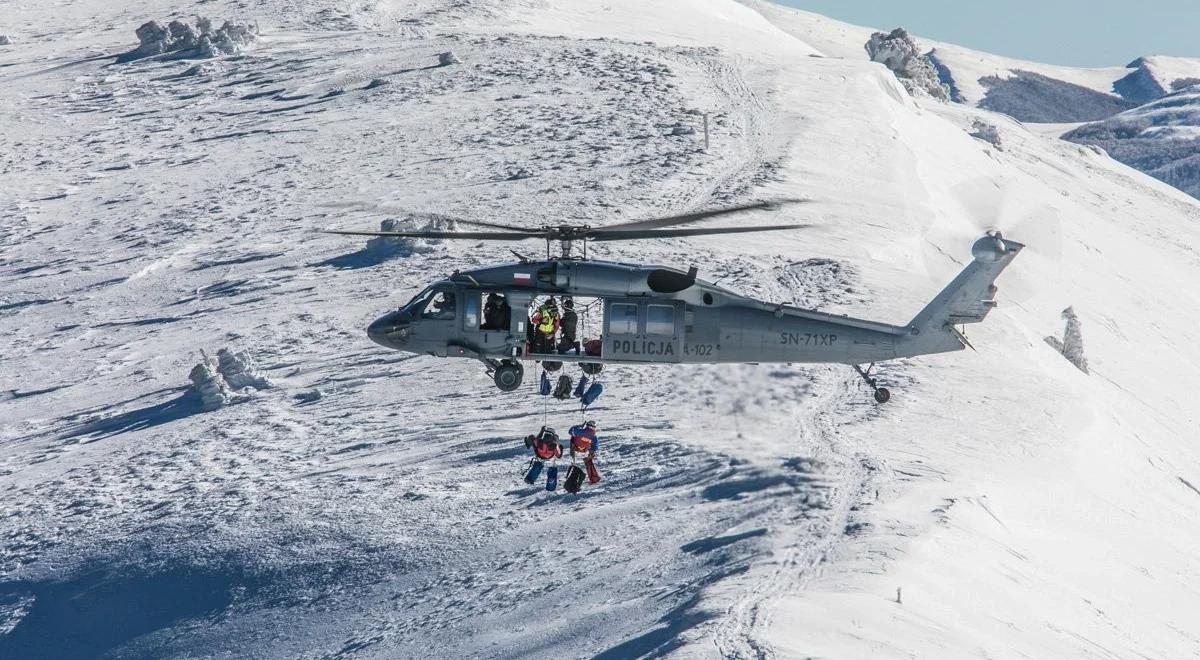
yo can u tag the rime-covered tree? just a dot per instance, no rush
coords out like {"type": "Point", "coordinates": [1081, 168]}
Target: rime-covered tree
{"type": "Point", "coordinates": [899, 52]}
{"type": "Point", "coordinates": [1071, 345]}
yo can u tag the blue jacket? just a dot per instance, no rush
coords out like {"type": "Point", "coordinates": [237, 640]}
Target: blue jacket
{"type": "Point", "coordinates": [579, 430]}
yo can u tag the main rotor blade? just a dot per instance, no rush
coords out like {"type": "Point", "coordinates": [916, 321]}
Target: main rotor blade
{"type": "Point", "coordinates": [655, 223]}
{"type": "Point", "coordinates": [389, 208]}
{"type": "Point", "coordinates": [461, 235]}
{"type": "Point", "coordinates": [636, 234]}
{"type": "Point", "coordinates": [490, 225]}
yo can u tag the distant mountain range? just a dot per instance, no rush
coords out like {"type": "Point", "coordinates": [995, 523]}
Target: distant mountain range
{"type": "Point", "coordinates": [1145, 114]}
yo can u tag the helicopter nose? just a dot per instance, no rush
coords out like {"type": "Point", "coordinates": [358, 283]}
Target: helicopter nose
{"type": "Point", "coordinates": [389, 330]}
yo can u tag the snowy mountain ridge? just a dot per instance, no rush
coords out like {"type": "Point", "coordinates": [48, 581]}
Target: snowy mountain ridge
{"type": "Point", "coordinates": [1040, 93]}
{"type": "Point", "coordinates": [369, 504]}
{"type": "Point", "coordinates": [975, 75]}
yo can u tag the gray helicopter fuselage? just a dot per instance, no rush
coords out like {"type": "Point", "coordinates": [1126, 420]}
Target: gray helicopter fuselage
{"type": "Point", "coordinates": [663, 315]}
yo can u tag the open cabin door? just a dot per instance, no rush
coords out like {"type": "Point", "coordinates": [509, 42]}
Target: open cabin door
{"type": "Point", "coordinates": [642, 331]}
{"type": "Point", "coordinates": [487, 320]}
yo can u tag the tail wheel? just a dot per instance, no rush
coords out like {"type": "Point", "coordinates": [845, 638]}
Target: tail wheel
{"type": "Point", "coordinates": [508, 376]}
{"type": "Point", "coordinates": [882, 395]}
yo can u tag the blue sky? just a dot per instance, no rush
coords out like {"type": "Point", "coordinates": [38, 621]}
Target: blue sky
{"type": "Point", "coordinates": [1072, 32]}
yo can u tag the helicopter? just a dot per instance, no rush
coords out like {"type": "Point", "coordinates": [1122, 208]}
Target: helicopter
{"type": "Point", "coordinates": [662, 315]}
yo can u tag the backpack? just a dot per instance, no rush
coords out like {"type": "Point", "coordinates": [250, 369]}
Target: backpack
{"type": "Point", "coordinates": [544, 385]}
{"type": "Point", "coordinates": [574, 479]}
{"type": "Point", "coordinates": [563, 389]}
{"type": "Point", "coordinates": [592, 393]}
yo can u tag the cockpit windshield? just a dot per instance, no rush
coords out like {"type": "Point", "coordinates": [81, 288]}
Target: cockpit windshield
{"type": "Point", "coordinates": [418, 301]}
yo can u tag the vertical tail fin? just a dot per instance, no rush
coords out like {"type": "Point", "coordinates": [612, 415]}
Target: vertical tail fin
{"type": "Point", "coordinates": [967, 299]}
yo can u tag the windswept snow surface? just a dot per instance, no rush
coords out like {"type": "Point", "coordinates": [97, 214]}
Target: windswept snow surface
{"type": "Point", "coordinates": [369, 504]}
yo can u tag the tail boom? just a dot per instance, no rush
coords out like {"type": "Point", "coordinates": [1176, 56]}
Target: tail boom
{"type": "Point", "coordinates": [967, 299]}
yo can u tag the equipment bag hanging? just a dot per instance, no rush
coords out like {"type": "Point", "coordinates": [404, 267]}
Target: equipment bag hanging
{"type": "Point", "coordinates": [574, 480]}
{"type": "Point", "coordinates": [562, 390]}
{"type": "Point", "coordinates": [544, 386]}
{"type": "Point", "coordinates": [581, 387]}
{"type": "Point", "coordinates": [592, 394]}
{"type": "Point", "coordinates": [535, 469]}
{"type": "Point", "coordinates": [552, 478]}
{"type": "Point", "coordinates": [593, 474]}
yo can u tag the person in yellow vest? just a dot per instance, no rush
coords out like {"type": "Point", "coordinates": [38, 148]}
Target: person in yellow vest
{"type": "Point", "coordinates": [545, 321]}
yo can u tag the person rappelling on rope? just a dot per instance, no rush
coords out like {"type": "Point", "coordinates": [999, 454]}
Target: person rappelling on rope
{"type": "Point", "coordinates": [585, 444]}
{"type": "Point", "coordinates": [545, 448]}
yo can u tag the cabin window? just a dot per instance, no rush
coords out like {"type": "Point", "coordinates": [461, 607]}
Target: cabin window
{"type": "Point", "coordinates": [440, 307]}
{"type": "Point", "coordinates": [660, 320]}
{"type": "Point", "coordinates": [622, 319]}
{"type": "Point", "coordinates": [497, 314]}
{"type": "Point", "coordinates": [471, 311]}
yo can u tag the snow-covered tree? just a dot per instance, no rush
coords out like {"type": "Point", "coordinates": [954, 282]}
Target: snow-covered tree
{"type": "Point", "coordinates": [897, 51]}
{"type": "Point", "coordinates": [201, 40]}
{"type": "Point", "coordinates": [212, 389]}
{"type": "Point", "coordinates": [239, 370]}
{"type": "Point", "coordinates": [981, 130]}
{"type": "Point", "coordinates": [228, 380]}
{"type": "Point", "coordinates": [1071, 345]}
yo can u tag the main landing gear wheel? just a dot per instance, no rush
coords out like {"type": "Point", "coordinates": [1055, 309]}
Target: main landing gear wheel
{"type": "Point", "coordinates": [508, 376]}
{"type": "Point", "coordinates": [882, 395]}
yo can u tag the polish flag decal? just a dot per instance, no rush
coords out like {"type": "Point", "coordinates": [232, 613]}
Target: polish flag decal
{"type": "Point", "coordinates": [522, 278]}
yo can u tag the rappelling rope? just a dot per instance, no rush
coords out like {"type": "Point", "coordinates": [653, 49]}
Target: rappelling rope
{"type": "Point", "coordinates": [545, 403]}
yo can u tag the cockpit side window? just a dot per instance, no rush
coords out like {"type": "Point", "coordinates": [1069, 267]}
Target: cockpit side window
{"type": "Point", "coordinates": [440, 307]}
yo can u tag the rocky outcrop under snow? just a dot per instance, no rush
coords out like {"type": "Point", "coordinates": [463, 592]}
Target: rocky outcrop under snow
{"type": "Point", "coordinates": [199, 40]}
{"type": "Point", "coordinates": [898, 51]}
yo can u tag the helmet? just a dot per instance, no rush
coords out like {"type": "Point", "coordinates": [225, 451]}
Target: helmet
{"type": "Point", "coordinates": [591, 424]}
{"type": "Point", "coordinates": [568, 303]}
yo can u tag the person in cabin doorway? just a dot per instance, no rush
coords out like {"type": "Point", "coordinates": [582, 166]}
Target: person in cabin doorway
{"type": "Point", "coordinates": [545, 324]}
{"type": "Point", "coordinates": [568, 328]}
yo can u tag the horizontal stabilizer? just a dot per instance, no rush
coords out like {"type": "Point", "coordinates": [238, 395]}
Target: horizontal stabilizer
{"type": "Point", "coordinates": [967, 299]}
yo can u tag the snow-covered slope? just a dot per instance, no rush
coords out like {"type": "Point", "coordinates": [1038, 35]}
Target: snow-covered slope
{"type": "Point", "coordinates": [1161, 138]}
{"type": "Point", "coordinates": [369, 504]}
